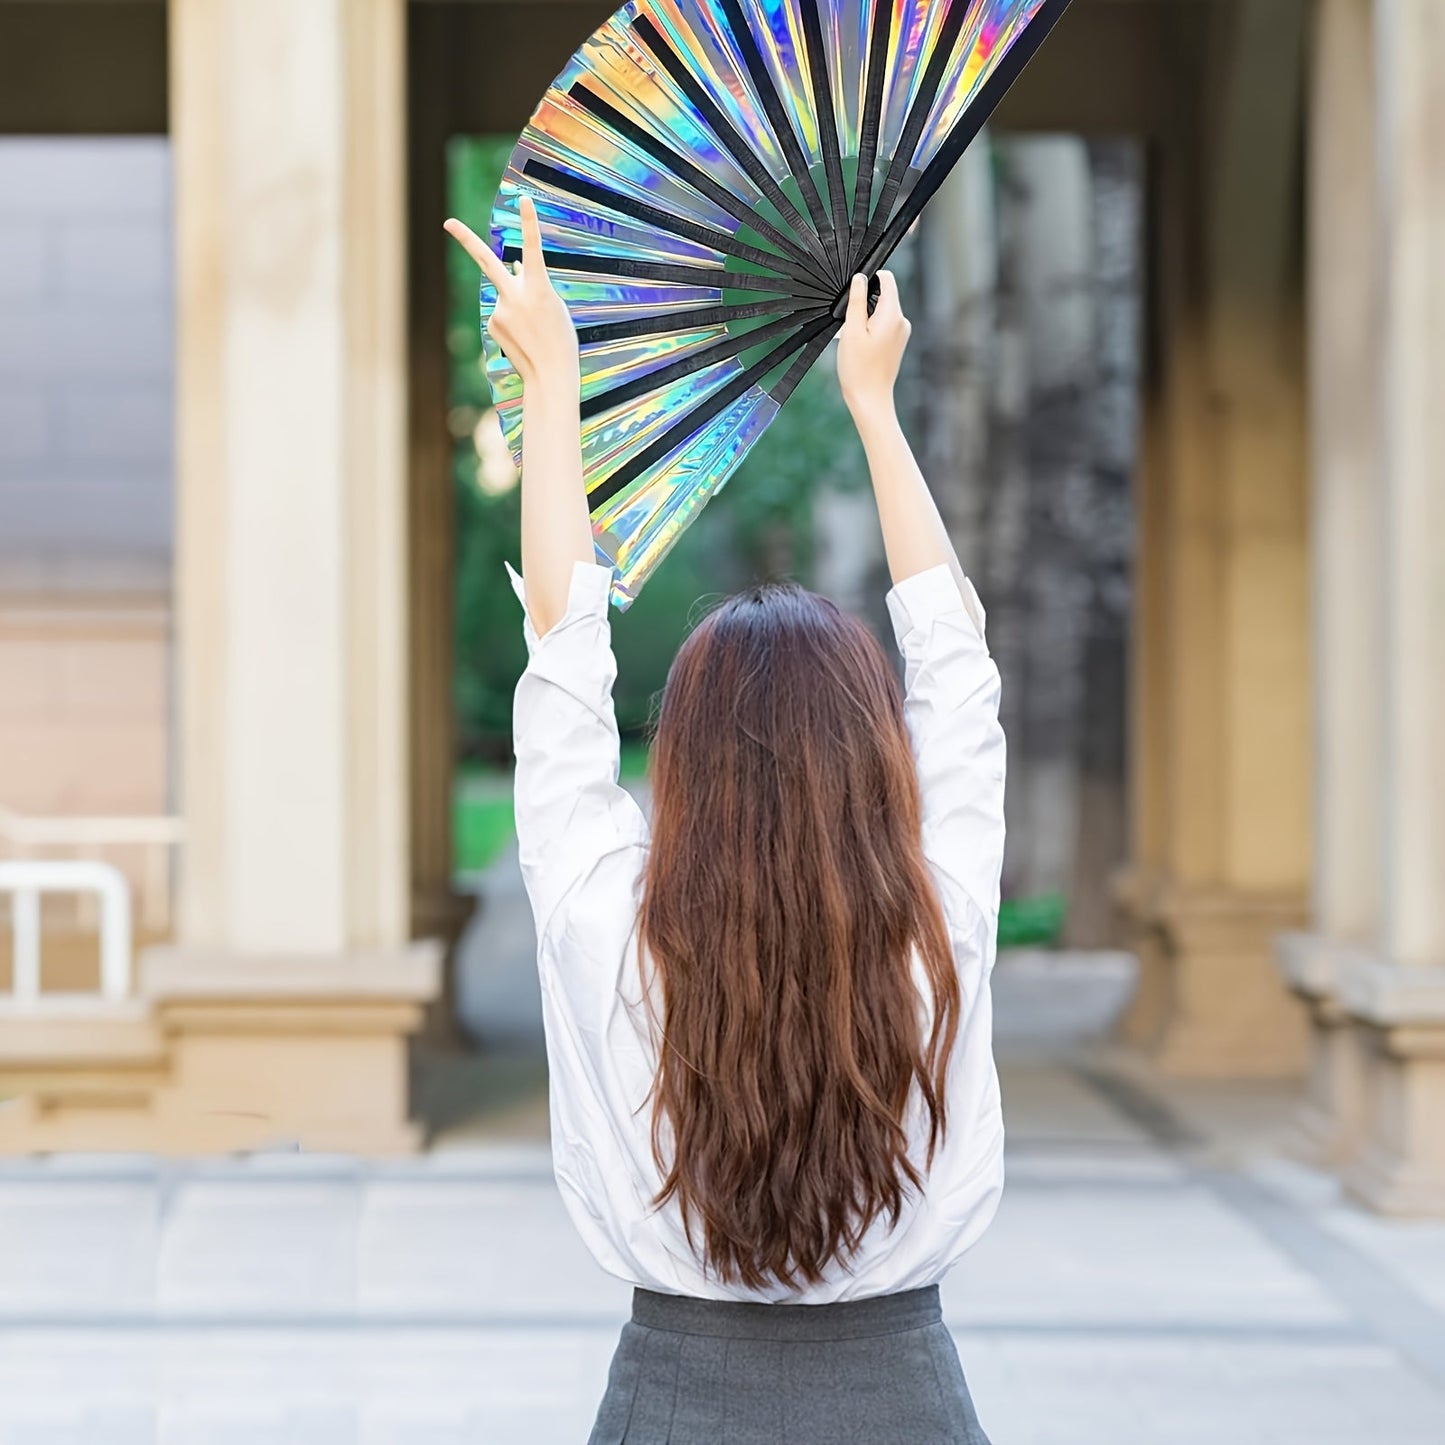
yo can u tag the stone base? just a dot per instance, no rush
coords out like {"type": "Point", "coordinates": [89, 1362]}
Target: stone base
{"type": "Point", "coordinates": [1399, 1014]}
{"type": "Point", "coordinates": [77, 1074]}
{"type": "Point", "coordinates": [1143, 1022]}
{"type": "Point", "coordinates": [1376, 1102]}
{"type": "Point", "coordinates": [1389, 1184]}
{"type": "Point", "coordinates": [1211, 1003]}
{"type": "Point", "coordinates": [1331, 1121]}
{"type": "Point", "coordinates": [220, 1055]}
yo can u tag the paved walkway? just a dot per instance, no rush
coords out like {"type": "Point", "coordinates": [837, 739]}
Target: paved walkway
{"type": "Point", "coordinates": [1158, 1273]}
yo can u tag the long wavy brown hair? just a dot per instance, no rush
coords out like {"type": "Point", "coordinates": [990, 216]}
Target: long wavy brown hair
{"type": "Point", "coordinates": [785, 900]}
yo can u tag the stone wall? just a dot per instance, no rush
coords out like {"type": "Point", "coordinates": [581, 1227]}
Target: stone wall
{"type": "Point", "coordinates": [86, 366]}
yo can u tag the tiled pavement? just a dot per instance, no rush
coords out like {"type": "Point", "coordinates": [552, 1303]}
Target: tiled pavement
{"type": "Point", "coordinates": [1157, 1274]}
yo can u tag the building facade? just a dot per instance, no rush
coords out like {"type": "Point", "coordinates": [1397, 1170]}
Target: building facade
{"type": "Point", "coordinates": [1287, 741]}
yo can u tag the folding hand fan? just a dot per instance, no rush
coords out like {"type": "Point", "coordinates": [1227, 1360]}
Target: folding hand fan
{"type": "Point", "coordinates": [709, 175]}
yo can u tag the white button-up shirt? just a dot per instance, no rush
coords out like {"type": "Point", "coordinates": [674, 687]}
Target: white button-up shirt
{"type": "Point", "coordinates": [584, 845]}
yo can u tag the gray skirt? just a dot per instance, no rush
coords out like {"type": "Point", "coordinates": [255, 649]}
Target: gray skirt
{"type": "Point", "coordinates": [708, 1372]}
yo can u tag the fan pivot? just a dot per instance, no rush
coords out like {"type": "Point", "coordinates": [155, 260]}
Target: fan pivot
{"type": "Point", "coordinates": [840, 306]}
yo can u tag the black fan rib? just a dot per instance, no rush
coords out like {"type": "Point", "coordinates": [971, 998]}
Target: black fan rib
{"type": "Point", "coordinates": [804, 362]}
{"type": "Point", "coordinates": [779, 119]}
{"type": "Point", "coordinates": [880, 37]}
{"type": "Point", "coordinates": [693, 320]}
{"type": "Point", "coordinates": [827, 133]}
{"type": "Point", "coordinates": [727, 135]}
{"type": "Point", "coordinates": [660, 220]}
{"type": "Point", "coordinates": [693, 175]}
{"type": "Point", "coordinates": [956, 142]}
{"type": "Point", "coordinates": [710, 355]}
{"type": "Point", "coordinates": [682, 275]}
{"type": "Point", "coordinates": [704, 412]}
{"type": "Point", "coordinates": [916, 119]}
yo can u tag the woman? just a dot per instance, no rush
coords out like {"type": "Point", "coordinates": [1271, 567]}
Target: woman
{"type": "Point", "coordinates": [774, 1103]}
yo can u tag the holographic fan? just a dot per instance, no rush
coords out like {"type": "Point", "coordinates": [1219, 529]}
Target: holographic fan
{"type": "Point", "coordinates": [709, 175]}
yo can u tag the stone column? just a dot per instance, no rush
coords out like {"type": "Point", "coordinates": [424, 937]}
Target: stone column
{"type": "Point", "coordinates": [1373, 968]}
{"type": "Point", "coordinates": [1221, 691]}
{"type": "Point", "coordinates": [437, 910]}
{"type": "Point", "coordinates": [957, 321]}
{"type": "Point", "coordinates": [1398, 996]}
{"type": "Point", "coordinates": [1345, 309]}
{"type": "Point", "coordinates": [293, 984]}
{"type": "Point", "coordinates": [1048, 334]}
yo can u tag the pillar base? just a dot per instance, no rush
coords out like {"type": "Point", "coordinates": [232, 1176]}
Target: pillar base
{"type": "Point", "coordinates": [1143, 1021]}
{"type": "Point", "coordinates": [1331, 1119]}
{"type": "Point", "coordinates": [1384, 1182]}
{"type": "Point", "coordinates": [1375, 1107]}
{"type": "Point", "coordinates": [301, 1052]}
{"type": "Point", "coordinates": [1211, 1002]}
{"type": "Point", "coordinates": [221, 1054]}
{"type": "Point", "coordinates": [1399, 1015]}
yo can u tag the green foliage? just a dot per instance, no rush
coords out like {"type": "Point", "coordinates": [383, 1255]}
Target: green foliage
{"type": "Point", "coordinates": [475, 166]}
{"type": "Point", "coordinates": [484, 819]}
{"type": "Point", "coordinates": [481, 829]}
{"type": "Point", "coordinates": [490, 653]}
{"type": "Point", "coordinates": [1032, 922]}
{"type": "Point", "coordinates": [811, 445]}
{"type": "Point", "coordinates": [760, 525]}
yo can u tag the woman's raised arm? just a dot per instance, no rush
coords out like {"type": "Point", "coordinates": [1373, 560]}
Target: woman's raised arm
{"type": "Point", "coordinates": [952, 683]}
{"type": "Point", "coordinates": [581, 837]}
{"type": "Point", "coordinates": [530, 323]}
{"type": "Point", "coordinates": [870, 350]}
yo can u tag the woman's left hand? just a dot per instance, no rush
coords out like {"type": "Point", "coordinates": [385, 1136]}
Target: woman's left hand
{"type": "Point", "coordinates": [530, 321]}
{"type": "Point", "coordinates": [531, 324]}
{"type": "Point", "coordinates": [870, 348]}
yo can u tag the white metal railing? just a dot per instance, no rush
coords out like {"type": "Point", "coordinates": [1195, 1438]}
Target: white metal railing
{"type": "Point", "coordinates": [27, 880]}
{"type": "Point", "coordinates": [143, 849]}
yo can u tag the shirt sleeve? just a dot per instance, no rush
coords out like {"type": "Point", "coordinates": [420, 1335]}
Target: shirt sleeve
{"type": "Point", "coordinates": [958, 746]}
{"type": "Point", "coordinates": [571, 812]}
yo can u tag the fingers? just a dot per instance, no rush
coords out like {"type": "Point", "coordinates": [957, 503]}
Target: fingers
{"type": "Point", "coordinates": [888, 303]}
{"type": "Point", "coordinates": [531, 237]}
{"type": "Point", "coordinates": [887, 308]}
{"type": "Point", "coordinates": [491, 264]}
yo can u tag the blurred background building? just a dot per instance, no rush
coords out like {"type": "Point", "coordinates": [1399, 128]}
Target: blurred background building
{"type": "Point", "coordinates": [1177, 381]}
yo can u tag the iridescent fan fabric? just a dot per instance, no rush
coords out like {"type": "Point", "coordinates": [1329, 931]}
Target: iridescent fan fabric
{"type": "Point", "coordinates": [709, 175]}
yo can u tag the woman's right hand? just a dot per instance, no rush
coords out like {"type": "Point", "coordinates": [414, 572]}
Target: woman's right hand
{"type": "Point", "coordinates": [870, 348]}
{"type": "Point", "coordinates": [530, 321]}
